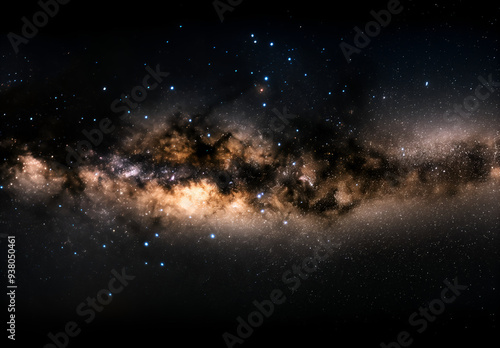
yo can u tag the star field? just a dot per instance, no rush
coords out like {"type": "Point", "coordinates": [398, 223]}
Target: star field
{"type": "Point", "coordinates": [208, 158]}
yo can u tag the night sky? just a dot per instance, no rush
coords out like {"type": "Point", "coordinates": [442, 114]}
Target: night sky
{"type": "Point", "coordinates": [248, 174]}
